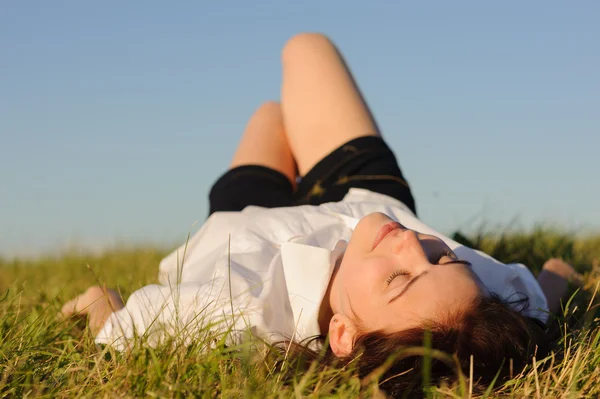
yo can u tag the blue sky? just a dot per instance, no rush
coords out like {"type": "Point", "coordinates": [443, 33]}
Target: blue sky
{"type": "Point", "coordinates": [115, 117]}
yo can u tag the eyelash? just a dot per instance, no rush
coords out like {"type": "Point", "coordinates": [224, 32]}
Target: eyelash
{"type": "Point", "coordinates": [395, 274]}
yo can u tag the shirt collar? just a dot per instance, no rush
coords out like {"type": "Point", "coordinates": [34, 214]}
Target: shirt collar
{"type": "Point", "coordinates": [308, 270]}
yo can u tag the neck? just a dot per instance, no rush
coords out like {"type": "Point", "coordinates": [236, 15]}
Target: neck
{"type": "Point", "coordinates": [326, 310]}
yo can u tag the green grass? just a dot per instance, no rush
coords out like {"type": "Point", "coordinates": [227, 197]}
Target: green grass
{"type": "Point", "coordinates": [43, 355]}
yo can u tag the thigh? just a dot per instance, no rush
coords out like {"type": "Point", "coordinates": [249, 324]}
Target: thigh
{"type": "Point", "coordinates": [264, 142]}
{"type": "Point", "coordinates": [321, 103]}
{"type": "Point", "coordinates": [365, 162]}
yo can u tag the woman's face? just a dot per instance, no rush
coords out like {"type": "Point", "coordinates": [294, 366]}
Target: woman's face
{"type": "Point", "coordinates": [392, 279]}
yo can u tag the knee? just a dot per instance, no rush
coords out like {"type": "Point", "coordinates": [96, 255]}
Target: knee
{"type": "Point", "coordinates": [268, 109]}
{"type": "Point", "coordinates": [298, 46]}
{"type": "Point", "coordinates": [266, 117]}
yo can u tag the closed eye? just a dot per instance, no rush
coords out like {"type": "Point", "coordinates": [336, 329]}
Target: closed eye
{"type": "Point", "coordinates": [395, 274]}
{"type": "Point", "coordinates": [443, 253]}
{"type": "Point", "coordinates": [447, 253]}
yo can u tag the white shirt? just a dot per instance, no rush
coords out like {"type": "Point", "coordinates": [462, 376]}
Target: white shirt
{"type": "Point", "coordinates": [268, 269]}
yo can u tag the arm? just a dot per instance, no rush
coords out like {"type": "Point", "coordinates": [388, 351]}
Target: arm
{"type": "Point", "coordinates": [554, 281]}
{"type": "Point", "coordinates": [156, 309]}
{"type": "Point", "coordinates": [97, 303]}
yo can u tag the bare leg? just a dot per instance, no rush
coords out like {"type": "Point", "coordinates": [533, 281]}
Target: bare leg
{"type": "Point", "coordinates": [322, 106]}
{"type": "Point", "coordinates": [264, 142]}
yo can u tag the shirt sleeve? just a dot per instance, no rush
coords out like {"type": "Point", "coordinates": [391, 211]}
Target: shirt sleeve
{"type": "Point", "coordinates": [158, 312]}
{"type": "Point", "coordinates": [524, 283]}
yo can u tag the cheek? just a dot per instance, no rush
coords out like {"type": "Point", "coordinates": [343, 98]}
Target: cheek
{"type": "Point", "coordinates": [367, 276]}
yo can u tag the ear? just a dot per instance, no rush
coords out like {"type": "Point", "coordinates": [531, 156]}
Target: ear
{"type": "Point", "coordinates": [341, 335]}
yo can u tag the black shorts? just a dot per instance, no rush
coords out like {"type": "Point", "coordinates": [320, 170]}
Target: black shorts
{"type": "Point", "coordinates": [366, 162]}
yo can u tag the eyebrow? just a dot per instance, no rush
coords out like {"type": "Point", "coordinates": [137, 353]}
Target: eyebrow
{"type": "Point", "coordinates": [411, 282]}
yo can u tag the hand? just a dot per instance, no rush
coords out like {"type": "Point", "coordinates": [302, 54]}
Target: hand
{"type": "Point", "coordinates": [564, 270]}
{"type": "Point", "coordinates": [97, 303]}
{"type": "Point", "coordinates": [554, 281]}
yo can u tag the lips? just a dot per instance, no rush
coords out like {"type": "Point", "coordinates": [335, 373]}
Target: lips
{"type": "Point", "coordinates": [384, 231]}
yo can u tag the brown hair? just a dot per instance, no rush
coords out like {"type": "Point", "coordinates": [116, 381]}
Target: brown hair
{"type": "Point", "coordinates": [492, 338]}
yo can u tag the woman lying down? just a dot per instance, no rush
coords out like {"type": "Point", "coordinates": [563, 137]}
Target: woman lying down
{"type": "Point", "coordinates": [313, 233]}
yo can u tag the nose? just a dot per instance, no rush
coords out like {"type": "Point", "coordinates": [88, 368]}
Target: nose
{"type": "Point", "coordinates": [410, 248]}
